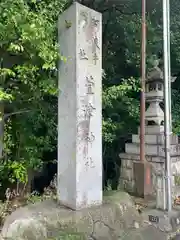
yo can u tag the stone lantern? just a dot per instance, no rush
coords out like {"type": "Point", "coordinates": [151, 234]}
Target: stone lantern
{"type": "Point", "coordinates": [154, 96]}
{"type": "Point", "coordinates": [132, 175]}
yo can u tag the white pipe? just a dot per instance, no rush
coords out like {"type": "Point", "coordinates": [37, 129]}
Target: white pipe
{"type": "Point", "coordinates": [167, 107]}
{"type": "Point", "coordinates": [169, 60]}
{"type": "Point", "coordinates": [164, 193]}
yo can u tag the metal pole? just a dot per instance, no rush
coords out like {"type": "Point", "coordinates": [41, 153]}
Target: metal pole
{"type": "Point", "coordinates": [169, 54]}
{"type": "Point", "coordinates": [167, 107]}
{"type": "Point", "coordinates": [143, 78]}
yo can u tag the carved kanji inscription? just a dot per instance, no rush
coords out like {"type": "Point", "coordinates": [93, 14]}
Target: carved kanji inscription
{"type": "Point", "coordinates": [83, 55]}
{"type": "Point", "coordinates": [90, 85]}
{"type": "Point", "coordinates": [88, 110]}
{"type": "Point", "coordinates": [89, 163]}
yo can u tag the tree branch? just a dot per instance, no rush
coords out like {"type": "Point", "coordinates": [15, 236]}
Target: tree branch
{"type": "Point", "coordinates": [15, 113]}
{"type": "Point", "coordinates": [125, 13]}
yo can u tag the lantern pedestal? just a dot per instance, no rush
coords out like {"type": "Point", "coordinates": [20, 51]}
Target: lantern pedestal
{"type": "Point", "coordinates": [143, 179]}
{"type": "Point", "coordinates": [134, 175]}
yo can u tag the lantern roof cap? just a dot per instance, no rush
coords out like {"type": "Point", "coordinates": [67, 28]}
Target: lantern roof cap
{"type": "Point", "coordinates": [155, 73]}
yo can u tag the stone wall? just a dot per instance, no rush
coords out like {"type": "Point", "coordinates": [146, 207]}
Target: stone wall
{"type": "Point", "coordinates": [127, 175]}
{"type": "Point", "coordinates": [127, 179]}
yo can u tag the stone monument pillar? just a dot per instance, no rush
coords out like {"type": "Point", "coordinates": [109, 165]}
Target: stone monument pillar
{"type": "Point", "coordinates": [80, 108]}
{"type": "Point", "coordinates": [154, 141]}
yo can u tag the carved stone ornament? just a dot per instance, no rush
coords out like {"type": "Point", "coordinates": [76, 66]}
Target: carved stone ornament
{"type": "Point", "coordinates": [83, 20]}
{"type": "Point", "coordinates": [95, 22]}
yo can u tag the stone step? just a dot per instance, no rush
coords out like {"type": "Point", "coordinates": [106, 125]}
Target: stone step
{"type": "Point", "coordinates": [152, 150]}
{"type": "Point", "coordinates": [149, 158]}
{"type": "Point", "coordinates": [153, 130]}
{"type": "Point", "coordinates": [175, 166]}
{"type": "Point", "coordinates": [155, 139]}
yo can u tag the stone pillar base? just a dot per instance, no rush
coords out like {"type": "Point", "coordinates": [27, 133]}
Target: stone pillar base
{"type": "Point", "coordinates": [143, 181]}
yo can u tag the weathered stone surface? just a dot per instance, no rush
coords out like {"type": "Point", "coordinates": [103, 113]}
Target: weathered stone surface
{"type": "Point", "coordinates": [47, 219]}
{"type": "Point", "coordinates": [149, 139]}
{"type": "Point", "coordinates": [133, 148]}
{"type": "Point", "coordinates": [175, 167]}
{"type": "Point", "coordinates": [129, 186]}
{"type": "Point", "coordinates": [177, 237]}
{"type": "Point", "coordinates": [127, 174]}
{"type": "Point", "coordinates": [126, 181]}
{"type": "Point", "coordinates": [152, 149]}
{"type": "Point", "coordinates": [155, 139]}
{"type": "Point", "coordinates": [153, 130]}
{"type": "Point", "coordinates": [147, 233]}
{"type": "Point", "coordinates": [122, 184]}
{"type": "Point", "coordinates": [169, 222]}
{"type": "Point", "coordinates": [80, 108]}
{"type": "Point", "coordinates": [153, 159]}
{"type": "Point", "coordinates": [126, 163]}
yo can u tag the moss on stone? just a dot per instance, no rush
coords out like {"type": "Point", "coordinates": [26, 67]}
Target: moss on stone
{"type": "Point", "coordinates": [69, 236]}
